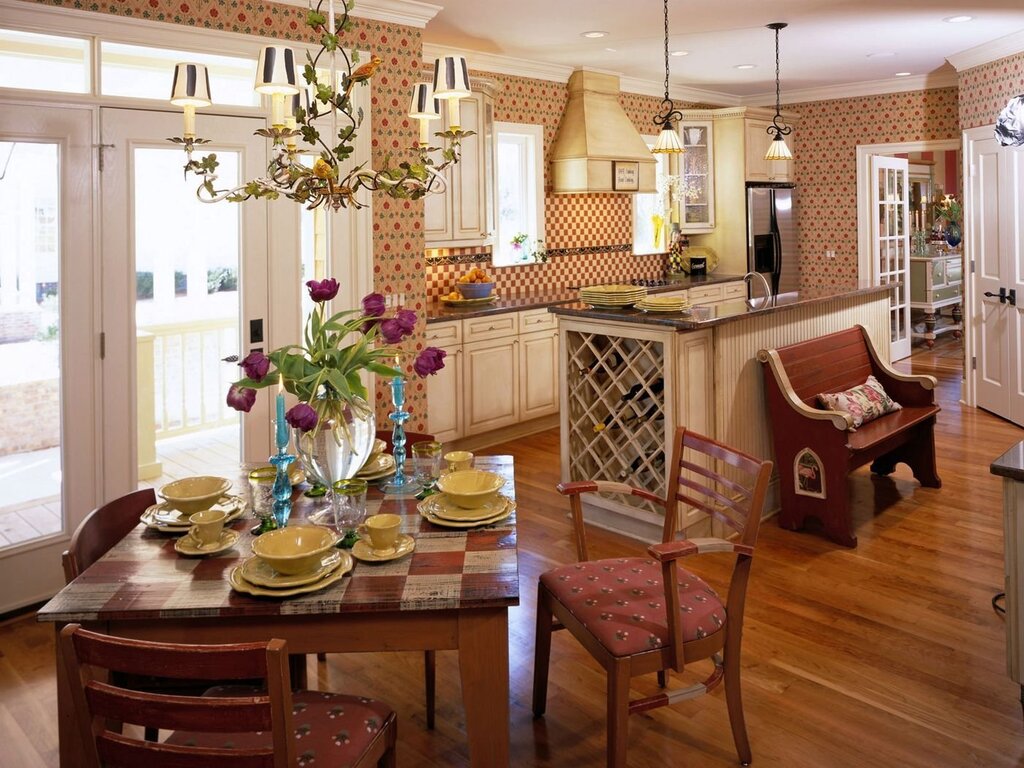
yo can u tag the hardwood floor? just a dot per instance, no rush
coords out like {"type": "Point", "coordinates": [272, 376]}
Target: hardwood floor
{"type": "Point", "coordinates": [886, 655]}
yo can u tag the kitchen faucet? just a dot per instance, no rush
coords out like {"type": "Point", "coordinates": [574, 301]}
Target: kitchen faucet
{"type": "Point", "coordinates": [769, 299]}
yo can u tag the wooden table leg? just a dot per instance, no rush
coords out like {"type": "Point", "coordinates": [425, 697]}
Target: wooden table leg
{"type": "Point", "coordinates": [483, 668]}
{"type": "Point", "coordinates": [70, 750]}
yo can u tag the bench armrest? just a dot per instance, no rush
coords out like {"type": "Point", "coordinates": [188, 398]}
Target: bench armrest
{"type": "Point", "coordinates": [839, 420]}
{"type": "Point", "coordinates": [905, 388]}
{"type": "Point", "coordinates": [673, 550]}
{"type": "Point", "coordinates": [606, 486]}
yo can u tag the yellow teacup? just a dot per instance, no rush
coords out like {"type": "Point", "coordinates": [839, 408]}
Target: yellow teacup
{"type": "Point", "coordinates": [207, 526]}
{"type": "Point", "coordinates": [457, 460]}
{"type": "Point", "coordinates": [382, 531]}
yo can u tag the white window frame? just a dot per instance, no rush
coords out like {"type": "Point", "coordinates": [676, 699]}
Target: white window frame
{"type": "Point", "coordinates": [660, 173]}
{"type": "Point", "coordinates": [535, 192]}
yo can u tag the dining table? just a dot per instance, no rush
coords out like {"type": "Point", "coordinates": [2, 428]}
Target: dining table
{"type": "Point", "coordinates": [452, 592]}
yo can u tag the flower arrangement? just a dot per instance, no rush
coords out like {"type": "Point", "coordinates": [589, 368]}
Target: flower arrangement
{"type": "Point", "coordinates": [323, 372]}
{"type": "Point", "coordinates": [539, 254]}
{"type": "Point", "coordinates": [950, 210]}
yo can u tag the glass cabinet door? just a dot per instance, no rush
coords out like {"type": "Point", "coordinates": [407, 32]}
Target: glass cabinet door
{"type": "Point", "coordinates": [695, 194]}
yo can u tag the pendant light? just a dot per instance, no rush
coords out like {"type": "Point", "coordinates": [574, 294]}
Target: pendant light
{"type": "Point", "coordinates": [777, 149]}
{"type": "Point", "coordinates": [668, 139]}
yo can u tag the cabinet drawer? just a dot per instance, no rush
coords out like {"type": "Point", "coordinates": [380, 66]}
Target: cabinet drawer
{"type": "Point", "coordinates": [705, 294]}
{"type": "Point", "coordinates": [671, 295]}
{"type": "Point", "coordinates": [444, 335]}
{"type": "Point", "coordinates": [954, 271]}
{"type": "Point", "coordinates": [536, 320]}
{"type": "Point", "coordinates": [737, 290]}
{"type": "Point", "coordinates": [946, 292]}
{"type": "Point", "coordinates": [490, 327]}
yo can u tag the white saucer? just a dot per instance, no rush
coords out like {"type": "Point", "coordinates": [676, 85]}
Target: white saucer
{"type": "Point", "coordinates": [441, 506]}
{"type": "Point", "coordinates": [403, 546]}
{"type": "Point", "coordinates": [257, 572]}
{"type": "Point", "coordinates": [240, 584]}
{"type": "Point", "coordinates": [163, 517]}
{"type": "Point", "coordinates": [432, 518]}
{"type": "Point", "coordinates": [187, 545]}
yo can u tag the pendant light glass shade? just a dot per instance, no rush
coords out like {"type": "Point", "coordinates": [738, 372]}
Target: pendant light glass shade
{"type": "Point", "coordinates": [777, 150]}
{"type": "Point", "coordinates": [668, 142]}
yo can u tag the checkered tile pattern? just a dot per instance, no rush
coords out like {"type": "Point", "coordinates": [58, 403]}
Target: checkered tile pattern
{"type": "Point", "coordinates": [572, 221]}
{"type": "Point", "coordinates": [142, 577]}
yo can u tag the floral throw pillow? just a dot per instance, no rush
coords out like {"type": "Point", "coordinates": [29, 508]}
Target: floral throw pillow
{"type": "Point", "coordinates": [863, 403]}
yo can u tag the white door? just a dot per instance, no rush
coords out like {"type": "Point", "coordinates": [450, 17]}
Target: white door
{"type": "Point", "coordinates": [50, 457]}
{"type": "Point", "coordinates": [890, 240]}
{"type": "Point", "coordinates": [167, 257]}
{"type": "Point", "coordinates": [995, 231]}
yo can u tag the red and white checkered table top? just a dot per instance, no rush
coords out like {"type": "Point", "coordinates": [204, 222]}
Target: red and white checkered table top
{"type": "Point", "coordinates": [142, 577]}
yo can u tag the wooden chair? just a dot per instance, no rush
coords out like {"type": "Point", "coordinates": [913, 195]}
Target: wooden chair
{"type": "Point", "coordinates": [429, 657]}
{"type": "Point", "coordinates": [647, 614]}
{"type": "Point", "coordinates": [232, 727]}
{"type": "Point", "coordinates": [103, 528]}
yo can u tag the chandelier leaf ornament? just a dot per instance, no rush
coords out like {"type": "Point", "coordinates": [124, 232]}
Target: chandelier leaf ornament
{"type": "Point", "coordinates": [777, 149]}
{"type": "Point", "coordinates": [668, 140]}
{"type": "Point", "coordinates": [331, 181]}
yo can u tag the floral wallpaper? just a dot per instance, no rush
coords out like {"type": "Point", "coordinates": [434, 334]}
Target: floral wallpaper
{"type": "Point", "coordinates": [985, 90]}
{"type": "Point", "coordinates": [824, 145]}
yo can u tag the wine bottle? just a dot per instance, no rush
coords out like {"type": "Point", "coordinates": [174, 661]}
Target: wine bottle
{"type": "Point", "coordinates": [641, 394]}
{"type": "Point", "coordinates": [658, 462]}
{"type": "Point", "coordinates": [603, 366]}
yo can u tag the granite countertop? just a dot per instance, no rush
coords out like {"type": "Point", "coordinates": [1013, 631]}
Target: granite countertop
{"type": "Point", "coordinates": [718, 314]}
{"type": "Point", "coordinates": [439, 313]}
{"type": "Point", "coordinates": [1010, 464]}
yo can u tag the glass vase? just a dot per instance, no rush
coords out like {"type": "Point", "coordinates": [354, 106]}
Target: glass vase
{"type": "Point", "coordinates": [953, 234]}
{"type": "Point", "coordinates": [338, 447]}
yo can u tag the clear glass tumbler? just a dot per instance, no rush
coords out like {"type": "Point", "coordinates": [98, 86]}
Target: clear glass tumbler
{"type": "Point", "coordinates": [426, 456]}
{"type": "Point", "coordinates": [348, 504]}
{"type": "Point", "coordinates": [261, 492]}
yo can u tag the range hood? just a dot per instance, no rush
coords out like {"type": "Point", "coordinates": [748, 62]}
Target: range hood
{"type": "Point", "coordinates": [597, 149]}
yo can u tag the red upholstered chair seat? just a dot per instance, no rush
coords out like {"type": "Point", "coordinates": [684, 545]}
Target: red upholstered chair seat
{"type": "Point", "coordinates": [621, 602]}
{"type": "Point", "coordinates": [331, 729]}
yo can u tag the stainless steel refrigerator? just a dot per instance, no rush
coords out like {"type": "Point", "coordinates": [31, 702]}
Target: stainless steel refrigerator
{"type": "Point", "coordinates": [771, 235]}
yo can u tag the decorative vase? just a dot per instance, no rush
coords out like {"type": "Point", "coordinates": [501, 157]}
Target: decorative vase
{"type": "Point", "coordinates": [337, 448]}
{"type": "Point", "coordinates": [953, 234]}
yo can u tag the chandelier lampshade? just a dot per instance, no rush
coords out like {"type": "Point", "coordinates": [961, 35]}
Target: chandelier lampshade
{"type": "Point", "coordinates": [275, 71]}
{"type": "Point", "coordinates": [451, 83]}
{"type": "Point", "coordinates": [424, 108]}
{"type": "Point", "coordinates": [191, 86]}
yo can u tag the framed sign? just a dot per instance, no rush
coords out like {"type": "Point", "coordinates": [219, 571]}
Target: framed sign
{"type": "Point", "coordinates": [625, 176]}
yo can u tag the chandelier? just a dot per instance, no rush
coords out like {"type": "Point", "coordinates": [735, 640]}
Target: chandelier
{"type": "Point", "coordinates": [668, 139]}
{"type": "Point", "coordinates": [777, 149]}
{"type": "Point", "coordinates": [326, 183]}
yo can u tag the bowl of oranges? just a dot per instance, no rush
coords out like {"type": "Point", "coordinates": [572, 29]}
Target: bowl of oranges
{"type": "Point", "coordinates": [475, 284]}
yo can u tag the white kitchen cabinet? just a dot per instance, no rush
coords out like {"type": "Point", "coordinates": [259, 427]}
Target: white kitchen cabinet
{"type": "Point", "coordinates": [490, 384]}
{"type": "Point", "coordinates": [719, 292]}
{"type": "Point", "coordinates": [756, 144]}
{"type": "Point", "coordinates": [696, 175]}
{"type": "Point", "coordinates": [465, 214]}
{"type": "Point", "coordinates": [538, 364]}
{"type": "Point", "coordinates": [444, 389]}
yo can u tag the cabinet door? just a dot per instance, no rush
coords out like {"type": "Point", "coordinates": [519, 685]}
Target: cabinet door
{"type": "Point", "coordinates": [444, 398]}
{"type": "Point", "coordinates": [490, 384]}
{"type": "Point", "coordinates": [470, 199]}
{"type": "Point", "coordinates": [697, 177]}
{"type": "Point", "coordinates": [437, 213]}
{"type": "Point", "coordinates": [538, 374]}
{"type": "Point", "coordinates": [755, 145]}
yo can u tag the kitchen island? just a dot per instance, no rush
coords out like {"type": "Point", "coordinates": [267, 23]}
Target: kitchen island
{"type": "Point", "coordinates": [629, 378]}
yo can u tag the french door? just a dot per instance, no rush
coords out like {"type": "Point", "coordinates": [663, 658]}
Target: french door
{"type": "Point", "coordinates": [890, 241]}
{"type": "Point", "coordinates": [49, 343]}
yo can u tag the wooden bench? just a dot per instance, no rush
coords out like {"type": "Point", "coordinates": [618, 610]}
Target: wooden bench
{"type": "Point", "coordinates": [815, 449]}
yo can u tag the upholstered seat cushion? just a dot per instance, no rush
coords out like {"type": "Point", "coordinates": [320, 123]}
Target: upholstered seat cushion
{"type": "Point", "coordinates": [331, 730]}
{"type": "Point", "coordinates": [622, 603]}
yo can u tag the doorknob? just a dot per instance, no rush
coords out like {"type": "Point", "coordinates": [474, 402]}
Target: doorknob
{"type": "Point", "coordinates": [1002, 296]}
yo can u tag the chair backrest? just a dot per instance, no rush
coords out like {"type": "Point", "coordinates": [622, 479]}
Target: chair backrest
{"type": "Point", "coordinates": [99, 703]}
{"type": "Point", "coordinates": [410, 438]}
{"type": "Point", "coordinates": [103, 528]}
{"type": "Point", "coordinates": [720, 481]}
{"type": "Point", "coordinates": [830, 363]}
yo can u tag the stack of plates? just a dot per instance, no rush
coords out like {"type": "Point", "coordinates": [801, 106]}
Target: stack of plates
{"type": "Point", "coordinates": [378, 465]}
{"type": "Point", "coordinates": [439, 510]}
{"type": "Point", "coordinates": [255, 577]}
{"type": "Point", "coordinates": [663, 304]}
{"type": "Point", "coordinates": [163, 517]}
{"type": "Point", "coordinates": [605, 296]}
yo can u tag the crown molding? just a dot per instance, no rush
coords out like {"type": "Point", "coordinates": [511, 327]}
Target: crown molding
{"type": "Point", "coordinates": [988, 52]}
{"type": "Point", "coordinates": [409, 13]}
{"type": "Point", "coordinates": [678, 92]}
{"type": "Point", "coordinates": [502, 65]}
{"type": "Point", "coordinates": [854, 90]}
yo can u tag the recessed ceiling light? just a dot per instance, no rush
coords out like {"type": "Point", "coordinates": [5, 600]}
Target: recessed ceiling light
{"type": "Point", "coordinates": [610, 50]}
{"type": "Point", "coordinates": [745, 66]}
{"type": "Point", "coordinates": [680, 53]}
{"type": "Point", "coordinates": [957, 19]}
{"type": "Point", "coordinates": [881, 55]}
{"type": "Point", "coordinates": [903, 74]}
{"type": "Point", "coordinates": [594, 33]}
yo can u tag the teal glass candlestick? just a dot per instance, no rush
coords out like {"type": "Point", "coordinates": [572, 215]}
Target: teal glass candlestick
{"type": "Point", "coordinates": [282, 487]}
{"type": "Point", "coordinates": [399, 483]}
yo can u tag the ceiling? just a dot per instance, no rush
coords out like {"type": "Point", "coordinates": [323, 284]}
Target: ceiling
{"type": "Point", "coordinates": [827, 43]}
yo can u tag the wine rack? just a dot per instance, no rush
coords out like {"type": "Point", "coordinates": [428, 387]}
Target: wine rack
{"type": "Point", "coordinates": [616, 409]}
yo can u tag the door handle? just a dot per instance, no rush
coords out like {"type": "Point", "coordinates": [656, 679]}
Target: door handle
{"type": "Point", "coordinates": [1002, 295]}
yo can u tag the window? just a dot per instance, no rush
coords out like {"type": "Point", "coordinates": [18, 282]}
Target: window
{"type": "Point", "coordinates": [520, 193]}
{"type": "Point", "coordinates": [650, 212]}
{"type": "Point", "coordinates": [43, 62]}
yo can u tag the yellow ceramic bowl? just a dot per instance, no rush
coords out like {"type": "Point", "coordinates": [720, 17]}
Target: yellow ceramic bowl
{"type": "Point", "coordinates": [470, 488]}
{"type": "Point", "coordinates": [194, 494]}
{"type": "Point", "coordinates": [295, 549]}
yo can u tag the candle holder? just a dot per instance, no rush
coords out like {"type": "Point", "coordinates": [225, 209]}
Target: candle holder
{"type": "Point", "coordinates": [281, 460]}
{"type": "Point", "coordinates": [399, 483]}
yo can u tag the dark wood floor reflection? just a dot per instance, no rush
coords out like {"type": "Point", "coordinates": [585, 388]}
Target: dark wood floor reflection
{"type": "Point", "coordinates": [887, 655]}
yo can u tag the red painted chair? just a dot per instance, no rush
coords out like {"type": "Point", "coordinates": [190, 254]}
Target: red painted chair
{"type": "Point", "coordinates": [230, 729]}
{"type": "Point", "coordinates": [638, 615]}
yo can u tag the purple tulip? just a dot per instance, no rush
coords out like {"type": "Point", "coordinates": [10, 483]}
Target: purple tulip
{"type": "Point", "coordinates": [369, 325]}
{"type": "Point", "coordinates": [301, 416]}
{"type": "Point", "coordinates": [241, 398]}
{"type": "Point", "coordinates": [322, 290]}
{"type": "Point", "coordinates": [429, 361]}
{"type": "Point", "coordinates": [392, 331]}
{"type": "Point", "coordinates": [406, 318]}
{"type": "Point", "coordinates": [256, 365]}
{"type": "Point", "coordinates": [373, 305]}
